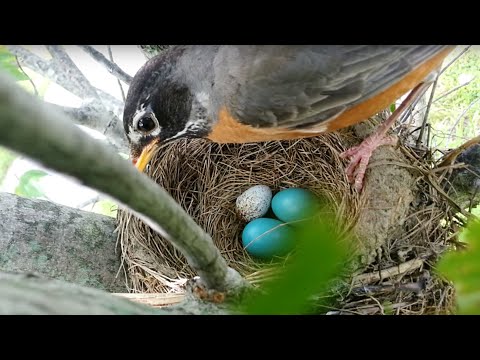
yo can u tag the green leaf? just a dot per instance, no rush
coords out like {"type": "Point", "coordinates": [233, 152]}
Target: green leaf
{"type": "Point", "coordinates": [105, 207]}
{"type": "Point", "coordinates": [462, 267]}
{"type": "Point", "coordinates": [6, 159]}
{"type": "Point", "coordinates": [28, 185]}
{"type": "Point", "coordinates": [317, 260]}
{"type": "Point", "coordinates": [388, 308]}
{"type": "Point", "coordinates": [393, 107]}
{"type": "Point", "coordinates": [9, 64]}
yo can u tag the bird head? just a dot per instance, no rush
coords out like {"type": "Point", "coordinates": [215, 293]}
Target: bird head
{"type": "Point", "coordinates": [161, 107]}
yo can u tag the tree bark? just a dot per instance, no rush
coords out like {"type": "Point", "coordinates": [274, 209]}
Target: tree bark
{"type": "Point", "coordinates": [59, 242]}
{"type": "Point", "coordinates": [28, 294]}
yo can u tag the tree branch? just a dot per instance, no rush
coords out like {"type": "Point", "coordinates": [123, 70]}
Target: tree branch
{"type": "Point", "coordinates": [33, 295]}
{"type": "Point", "coordinates": [73, 72]}
{"type": "Point", "coordinates": [55, 72]}
{"type": "Point", "coordinates": [58, 144]}
{"type": "Point", "coordinates": [110, 55]}
{"type": "Point", "coordinates": [91, 117]}
{"type": "Point", "coordinates": [112, 68]}
{"type": "Point", "coordinates": [59, 242]}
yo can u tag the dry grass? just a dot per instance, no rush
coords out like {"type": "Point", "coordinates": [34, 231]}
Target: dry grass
{"type": "Point", "coordinates": [206, 178]}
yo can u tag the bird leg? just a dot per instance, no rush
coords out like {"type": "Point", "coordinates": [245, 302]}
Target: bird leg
{"type": "Point", "coordinates": [360, 155]}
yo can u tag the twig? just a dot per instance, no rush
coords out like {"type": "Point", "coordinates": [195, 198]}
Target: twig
{"type": "Point", "coordinates": [88, 202]}
{"type": "Point", "coordinates": [452, 155]}
{"type": "Point", "coordinates": [110, 54]}
{"type": "Point", "coordinates": [74, 73]}
{"type": "Point", "coordinates": [29, 79]}
{"type": "Point", "coordinates": [92, 118]}
{"type": "Point", "coordinates": [415, 287]}
{"type": "Point", "coordinates": [156, 300]}
{"type": "Point", "coordinates": [425, 117]}
{"type": "Point", "coordinates": [455, 59]}
{"type": "Point", "coordinates": [388, 273]}
{"type": "Point", "coordinates": [112, 68]}
{"type": "Point", "coordinates": [69, 66]}
{"type": "Point", "coordinates": [448, 93]}
{"type": "Point", "coordinates": [45, 135]}
{"type": "Point", "coordinates": [435, 85]}
{"type": "Point", "coordinates": [461, 116]}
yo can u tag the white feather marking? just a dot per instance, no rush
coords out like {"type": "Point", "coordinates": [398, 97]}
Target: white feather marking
{"type": "Point", "coordinates": [203, 99]}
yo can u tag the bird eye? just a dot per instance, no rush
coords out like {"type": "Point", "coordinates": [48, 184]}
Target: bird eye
{"type": "Point", "coordinates": [146, 124]}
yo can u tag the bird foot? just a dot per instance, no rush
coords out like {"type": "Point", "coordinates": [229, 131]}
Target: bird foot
{"type": "Point", "coordinates": [199, 290]}
{"type": "Point", "coordinates": [360, 156]}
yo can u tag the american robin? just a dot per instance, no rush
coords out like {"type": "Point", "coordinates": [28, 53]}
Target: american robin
{"type": "Point", "coordinates": [252, 93]}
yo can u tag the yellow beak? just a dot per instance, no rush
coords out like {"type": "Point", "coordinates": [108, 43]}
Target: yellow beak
{"type": "Point", "coordinates": [145, 156]}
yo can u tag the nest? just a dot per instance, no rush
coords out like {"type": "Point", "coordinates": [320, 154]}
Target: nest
{"type": "Point", "coordinates": [205, 178]}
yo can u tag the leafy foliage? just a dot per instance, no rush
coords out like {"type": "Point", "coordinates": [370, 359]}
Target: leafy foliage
{"type": "Point", "coordinates": [105, 207]}
{"type": "Point", "coordinates": [9, 64]}
{"type": "Point", "coordinates": [463, 269]}
{"type": "Point", "coordinates": [451, 128]}
{"type": "Point", "coordinates": [28, 185]}
{"type": "Point", "coordinates": [6, 159]}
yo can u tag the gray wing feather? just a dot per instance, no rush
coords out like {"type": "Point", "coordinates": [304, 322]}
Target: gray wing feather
{"type": "Point", "coordinates": [298, 85]}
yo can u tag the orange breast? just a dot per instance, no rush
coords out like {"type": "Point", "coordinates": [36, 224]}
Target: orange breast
{"type": "Point", "coordinates": [229, 130]}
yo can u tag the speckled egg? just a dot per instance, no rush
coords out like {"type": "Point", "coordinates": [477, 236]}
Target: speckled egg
{"type": "Point", "coordinates": [265, 238]}
{"type": "Point", "coordinates": [254, 202]}
{"type": "Point", "coordinates": [294, 204]}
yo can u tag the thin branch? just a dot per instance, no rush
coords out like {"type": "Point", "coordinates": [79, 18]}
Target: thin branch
{"type": "Point", "coordinates": [425, 116]}
{"type": "Point", "coordinates": [53, 71]}
{"type": "Point", "coordinates": [452, 155]}
{"type": "Point", "coordinates": [454, 89]}
{"type": "Point", "coordinates": [461, 116]}
{"type": "Point", "coordinates": [455, 59]}
{"type": "Point", "coordinates": [29, 79]}
{"type": "Point", "coordinates": [73, 72]}
{"type": "Point", "coordinates": [92, 118]}
{"type": "Point", "coordinates": [375, 276]}
{"type": "Point", "coordinates": [440, 73]}
{"type": "Point", "coordinates": [85, 203]}
{"type": "Point", "coordinates": [112, 68]}
{"type": "Point", "coordinates": [448, 93]}
{"type": "Point", "coordinates": [76, 75]}
{"type": "Point", "coordinates": [33, 129]}
{"type": "Point", "coordinates": [110, 54]}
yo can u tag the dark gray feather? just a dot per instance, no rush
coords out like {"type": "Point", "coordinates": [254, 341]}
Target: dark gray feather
{"type": "Point", "coordinates": [296, 85]}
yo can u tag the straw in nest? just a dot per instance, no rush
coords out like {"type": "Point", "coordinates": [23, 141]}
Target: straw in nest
{"type": "Point", "coordinates": [206, 178]}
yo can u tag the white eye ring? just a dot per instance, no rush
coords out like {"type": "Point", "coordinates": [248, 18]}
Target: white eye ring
{"type": "Point", "coordinates": [147, 114]}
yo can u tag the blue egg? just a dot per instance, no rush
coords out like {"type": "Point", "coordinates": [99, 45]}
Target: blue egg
{"type": "Point", "coordinates": [294, 204]}
{"type": "Point", "coordinates": [260, 242]}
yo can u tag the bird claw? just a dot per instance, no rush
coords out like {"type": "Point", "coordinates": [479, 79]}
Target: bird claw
{"type": "Point", "coordinates": [360, 156]}
{"type": "Point", "coordinates": [199, 290]}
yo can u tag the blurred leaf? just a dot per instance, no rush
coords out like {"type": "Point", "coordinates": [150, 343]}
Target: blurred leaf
{"type": "Point", "coordinates": [392, 107]}
{"type": "Point", "coordinates": [388, 308]}
{"type": "Point", "coordinates": [462, 267]}
{"type": "Point", "coordinates": [317, 260]}
{"type": "Point", "coordinates": [105, 207]}
{"type": "Point", "coordinates": [8, 63]}
{"type": "Point", "coordinates": [6, 159]}
{"type": "Point", "coordinates": [28, 185]}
